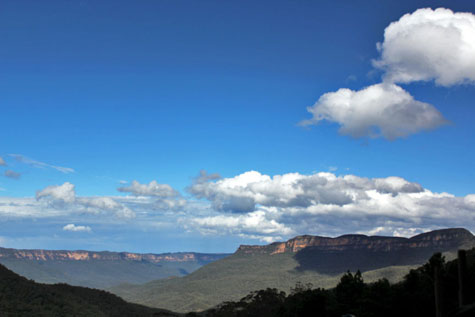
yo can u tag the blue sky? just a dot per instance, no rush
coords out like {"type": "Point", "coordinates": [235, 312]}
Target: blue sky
{"type": "Point", "coordinates": [95, 96]}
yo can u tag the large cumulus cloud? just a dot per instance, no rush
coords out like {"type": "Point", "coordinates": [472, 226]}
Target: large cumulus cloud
{"type": "Point", "coordinates": [379, 110]}
{"type": "Point", "coordinates": [257, 205]}
{"type": "Point", "coordinates": [242, 193]}
{"type": "Point", "coordinates": [429, 45]}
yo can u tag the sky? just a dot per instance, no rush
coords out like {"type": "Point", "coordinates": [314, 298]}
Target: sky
{"type": "Point", "coordinates": [163, 126]}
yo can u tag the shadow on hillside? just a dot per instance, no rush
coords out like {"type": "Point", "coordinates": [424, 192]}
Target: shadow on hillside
{"type": "Point", "coordinates": [334, 262]}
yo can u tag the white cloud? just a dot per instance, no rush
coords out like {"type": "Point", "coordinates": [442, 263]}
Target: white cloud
{"type": "Point", "coordinates": [38, 164]}
{"type": "Point", "coordinates": [74, 228]}
{"type": "Point", "coordinates": [12, 174]}
{"type": "Point", "coordinates": [469, 200]}
{"type": "Point", "coordinates": [429, 45]}
{"type": "Point", "coordinates": [64, 193]}
{"type": "Point", "coordinates": [242, 193]}
{"type": "Point", "coordinates": [264, 207]}
{"type": "Point", "coordinates": [151, 189]}
{"type": "Point", "coordinates": [25, 207]}
{"type": "Point", "coordinates": [97, 204]}
{"type": "Point", "coordinates": [257, 205]}
{"type": "Point", "coordinates": [425, 45]}
{"type": "Point", "coordinates": [395, 185]}
{"type": "Point", "coordinates": [394, 231]}
{"type": "Point", "coordinates": [2, 162]}
{"type": "Point", "coordinates": [64, 196]}
{"type": "Point", "coordinates": [379, 110]}
{"type": "Point", "coordinates": [254, 225]}
{"type": "Point", "coordinates": [166, 198]}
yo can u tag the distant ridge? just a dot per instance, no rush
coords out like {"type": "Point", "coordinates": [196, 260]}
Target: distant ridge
{"type": "Point", "coordinates": [101, 269]}
{"type": "Point", "coordinates": [443, 238]}
{"type": "Point", "coordinates": [82, 255]}
{"type": "Point", "coordinates": [307, 259]}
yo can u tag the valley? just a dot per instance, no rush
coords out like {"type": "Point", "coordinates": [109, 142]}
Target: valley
{"type": "Point", "coordinates": [101, 269]}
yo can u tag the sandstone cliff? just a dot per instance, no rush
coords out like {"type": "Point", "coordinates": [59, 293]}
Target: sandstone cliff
{"type": "Point", "coordinates": [439, 239]}
{"type": "Point", "coordinates": [63, 255]}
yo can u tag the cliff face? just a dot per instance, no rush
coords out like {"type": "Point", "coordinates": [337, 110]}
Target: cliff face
{"type": "Point", "coordinates": [438, 239]}
{"type": "Point", "coordinates": [60, 255]}
{"type": "Point", "coordinates": [101, 269]}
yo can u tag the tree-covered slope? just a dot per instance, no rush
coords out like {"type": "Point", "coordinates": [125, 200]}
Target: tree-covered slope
{"type": "Point", "coordinates": [233, 278]}
{"type": "Point", "coordinates": [22, 297]}
{"type": "Point", "coordinates": [414, 296]}
{"type": "Point", "coordinates": [280, 266]}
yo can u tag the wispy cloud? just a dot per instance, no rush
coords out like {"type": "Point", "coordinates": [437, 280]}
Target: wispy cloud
{"type": "Point", "coordinates": [166, 197]}
{"type": "Point", "coordinates": [64, 197]}
{"type": "Point", "coordinates": [26, 160]}
{"type": "Point", "coordinates": [12, 174]}
{"type": "Point", "coordinates": [2, 162]}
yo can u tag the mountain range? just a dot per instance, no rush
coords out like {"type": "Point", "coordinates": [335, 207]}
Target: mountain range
{"type": "Point", "coordinates": [307, 259]}
{"type": "Point", "coordinates": [189, 281]}
{"type": "Point", "coordinates": [101, 269]}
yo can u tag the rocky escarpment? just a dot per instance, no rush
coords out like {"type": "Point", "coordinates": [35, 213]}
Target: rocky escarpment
{"type": "Point", "coordinates": [444, 239]}
{"type": "Point", "coordinates": [101, 269]}
{"type": "Point", "coordinates": [360, 252]}
{"type": "Point", "coordinates": [63, 255]}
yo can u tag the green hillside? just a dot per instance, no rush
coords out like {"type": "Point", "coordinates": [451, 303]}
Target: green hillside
{"type": "Point", "coordinates": [232, 278]}
{"type": "Point", "coordinates": [414, 296]}
{"type": "Point", "coordinates": [22, 297]}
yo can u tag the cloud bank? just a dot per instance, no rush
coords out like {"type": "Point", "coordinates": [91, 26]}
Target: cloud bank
{"type": "Point", "coordinates": [253, 205]}
{"type": "Point", "coordinates": [64, 196]}
{"type": "Point", "coordinates": [166, 198]}
{"type": "Point", "coordinates": [259, 205]}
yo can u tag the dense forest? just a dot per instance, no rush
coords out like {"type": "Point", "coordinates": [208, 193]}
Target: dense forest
{"type": "Point", "coordinates": [414, 296]}
{"type": "Point", "coordinates": [22, 297]}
